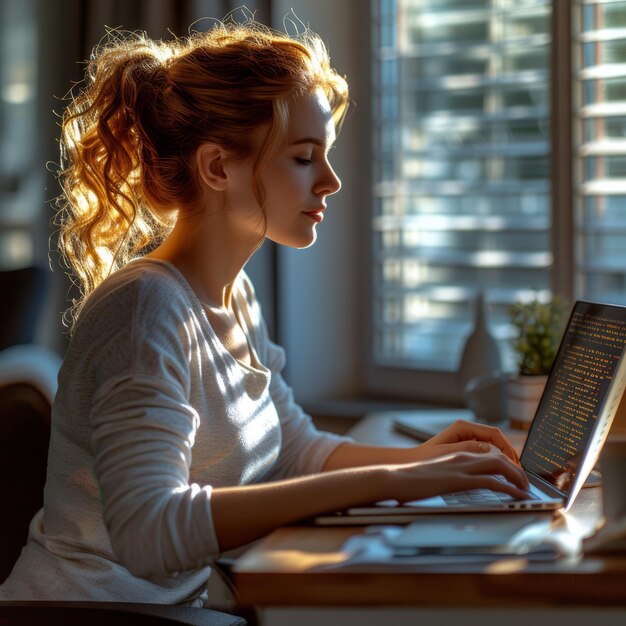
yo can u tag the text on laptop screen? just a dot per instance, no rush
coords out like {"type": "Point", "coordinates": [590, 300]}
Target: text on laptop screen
{"type": "Point", "coordinates": [577, 389]}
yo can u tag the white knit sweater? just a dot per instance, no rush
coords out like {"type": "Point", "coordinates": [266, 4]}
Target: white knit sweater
{"type": "Point", "coordinates": [151, 413]}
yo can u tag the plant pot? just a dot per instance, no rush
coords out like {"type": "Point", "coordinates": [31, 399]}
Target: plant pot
{"type": "Point", "coordinates": [523, 394]}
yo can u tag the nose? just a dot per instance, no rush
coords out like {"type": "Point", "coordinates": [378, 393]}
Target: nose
{"type": "Point", "coordinates": [329, 182]}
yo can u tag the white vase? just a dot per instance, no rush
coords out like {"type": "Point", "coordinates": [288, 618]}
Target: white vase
{"type": "Point", "coordinates": [523, 395]}
{"type": "Point", "coordinates": [480, 357]}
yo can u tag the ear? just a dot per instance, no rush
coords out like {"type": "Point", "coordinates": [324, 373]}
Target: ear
{"type": "Point", "coordinates": [210, 161]}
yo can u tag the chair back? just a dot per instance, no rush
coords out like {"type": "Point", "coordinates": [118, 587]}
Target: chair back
{"type": "Point", "coordinates": [24, 438]}
{"type": "Point", "coordinates": [23, 292]}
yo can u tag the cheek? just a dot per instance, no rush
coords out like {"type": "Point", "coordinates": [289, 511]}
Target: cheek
{"type": "Point", "coordinates": [242, 196]}
{"type": "Point", "coordinates": [285, 182]}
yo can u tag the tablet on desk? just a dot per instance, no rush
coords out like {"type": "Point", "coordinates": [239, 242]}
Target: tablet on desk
{"type": "Point", "coordinates": [509, 534]}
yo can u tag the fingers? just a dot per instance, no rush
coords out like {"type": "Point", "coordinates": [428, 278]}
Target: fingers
{"type": "Point", "coordinates": [498, 464]}
{"type": "Point", "coordinates": [458, 471]}
{"type": "Point", "coordinates": [500, 441]}
{"type": "Point", "coordinates": [478, 447]}
{"type": "Point", "coordinates": [481, 432]}
{"type": "Point", "coordinates": [472, 466]}
{"type": "Point", "coordinates": [471, 445]}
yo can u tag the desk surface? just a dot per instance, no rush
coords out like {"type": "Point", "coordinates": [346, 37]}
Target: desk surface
{"type": "Point", "coordinates": [287, 567]}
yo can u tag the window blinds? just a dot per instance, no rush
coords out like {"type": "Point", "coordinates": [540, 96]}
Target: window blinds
{"type": "Point", "coordinates": [600, 92]}
{"type": "Point", "coordinates": [461, 174]}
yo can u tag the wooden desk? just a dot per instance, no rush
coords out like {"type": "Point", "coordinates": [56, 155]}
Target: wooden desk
{"type": "Point", "coordinates": [280, 570]}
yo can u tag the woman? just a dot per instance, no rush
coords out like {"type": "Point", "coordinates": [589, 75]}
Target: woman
{"type": "Point", "coordinates": [174, 437]}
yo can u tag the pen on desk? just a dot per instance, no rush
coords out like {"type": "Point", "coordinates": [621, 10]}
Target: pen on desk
{"type": "Point", "coordinates": [412, 432]}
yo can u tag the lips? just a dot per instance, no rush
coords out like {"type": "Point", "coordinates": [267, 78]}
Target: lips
{"type": "Point", "coordinates": [316, 215]}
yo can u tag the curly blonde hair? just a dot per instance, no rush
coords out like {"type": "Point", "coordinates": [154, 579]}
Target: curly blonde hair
{"type": "Point", "coordinates": [130, 135]}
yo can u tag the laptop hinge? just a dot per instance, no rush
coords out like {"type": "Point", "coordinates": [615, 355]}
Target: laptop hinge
{"type": "Point", "coordinates": [545, 486]}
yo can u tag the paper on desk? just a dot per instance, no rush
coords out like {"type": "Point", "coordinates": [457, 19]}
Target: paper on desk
{"type": "Point", "coordinates": [373, 548]}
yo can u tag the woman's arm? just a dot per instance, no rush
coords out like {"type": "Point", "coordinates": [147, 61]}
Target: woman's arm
{"type": "Point", "coordinates": [461, 436]}
{"type": "Point", "coordinates": [243, 514]}
{"type": "Point", "coordinates": [158, 523]}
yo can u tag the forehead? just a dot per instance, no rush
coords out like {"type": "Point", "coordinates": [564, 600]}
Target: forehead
{"type": "Point", "coordinates": [310, 116]}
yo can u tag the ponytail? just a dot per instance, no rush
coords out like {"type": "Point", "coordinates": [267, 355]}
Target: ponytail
{"type": "Point", "coordinates": [104, 221]}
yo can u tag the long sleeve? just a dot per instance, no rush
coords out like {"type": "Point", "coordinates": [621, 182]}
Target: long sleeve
{"type": "Point", "coordinates": [143, 434]}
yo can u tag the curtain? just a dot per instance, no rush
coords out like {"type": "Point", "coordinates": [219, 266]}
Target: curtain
{"type": "Point", "coordinates": [159, 18]}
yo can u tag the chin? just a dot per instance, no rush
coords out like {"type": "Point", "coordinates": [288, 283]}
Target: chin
{"type": "Point", "coordinates": [308, 243]}
{"type": "Point", "coordinates": [299, 243]}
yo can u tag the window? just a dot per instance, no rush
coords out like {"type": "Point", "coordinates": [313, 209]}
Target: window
{"type": "Point", "coordinates": [600, 97]}
{"type": "Point", "coordinates": [20, 182]}
{"type": "Point", "coordinates": [464, 179]}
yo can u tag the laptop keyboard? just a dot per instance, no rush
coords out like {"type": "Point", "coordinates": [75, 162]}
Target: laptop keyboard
{"type": "Point", "coordinates": [479, 496]}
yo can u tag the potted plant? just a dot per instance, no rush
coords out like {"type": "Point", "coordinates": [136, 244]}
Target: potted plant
{"type": "Point", "coordinates": [539, 326]}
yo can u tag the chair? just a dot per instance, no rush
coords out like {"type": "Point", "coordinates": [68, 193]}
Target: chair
{"type": "Point", "coordinates": [109, 614]}
{"type": "Point", "coordinates": [24, 434]}
{"type": "Point", "coordinates": [23, 293]}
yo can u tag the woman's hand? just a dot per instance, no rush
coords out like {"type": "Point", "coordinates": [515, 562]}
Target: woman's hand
{"type": "Point", "coordinates": [465, 436]}
{"type": "Point", "coordinates": [455, 472]}
{"type": "Point", "coordinates": [461, 436]}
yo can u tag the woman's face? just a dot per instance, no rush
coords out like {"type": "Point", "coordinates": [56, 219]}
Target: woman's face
{"type": "Point", "coordinates": [297, 178]}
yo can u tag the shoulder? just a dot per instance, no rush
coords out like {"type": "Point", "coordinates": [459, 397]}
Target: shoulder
{"type": "Point", "coordinates": [140, 319]}
{"type": "Point", "coordinates": [145, 287]}
{"type": "Point", "coordinates": [142, 301]}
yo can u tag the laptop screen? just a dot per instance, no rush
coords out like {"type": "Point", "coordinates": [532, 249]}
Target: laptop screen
{"type": "Point", "coordinates": [582, 394]}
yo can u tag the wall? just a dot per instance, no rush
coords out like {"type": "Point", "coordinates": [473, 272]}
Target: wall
{"type": "Point", "coordinates": [320, 310]}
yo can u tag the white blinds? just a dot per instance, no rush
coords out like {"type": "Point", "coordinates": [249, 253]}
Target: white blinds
{"type": "Point", "coordinates": [462, 189]}
{"type": "Point", "coordinates": [600, 55]}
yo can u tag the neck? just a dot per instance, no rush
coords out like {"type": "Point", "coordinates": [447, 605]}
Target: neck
{"type": "Point", "coordinates": [210, 254]}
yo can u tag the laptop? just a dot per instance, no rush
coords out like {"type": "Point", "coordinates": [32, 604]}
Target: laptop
{"type": "Point", "coordinates": [571, 423]}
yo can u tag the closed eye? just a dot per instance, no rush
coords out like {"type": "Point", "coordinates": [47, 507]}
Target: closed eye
{"type": "Point", "coordinates": [303, 161]}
